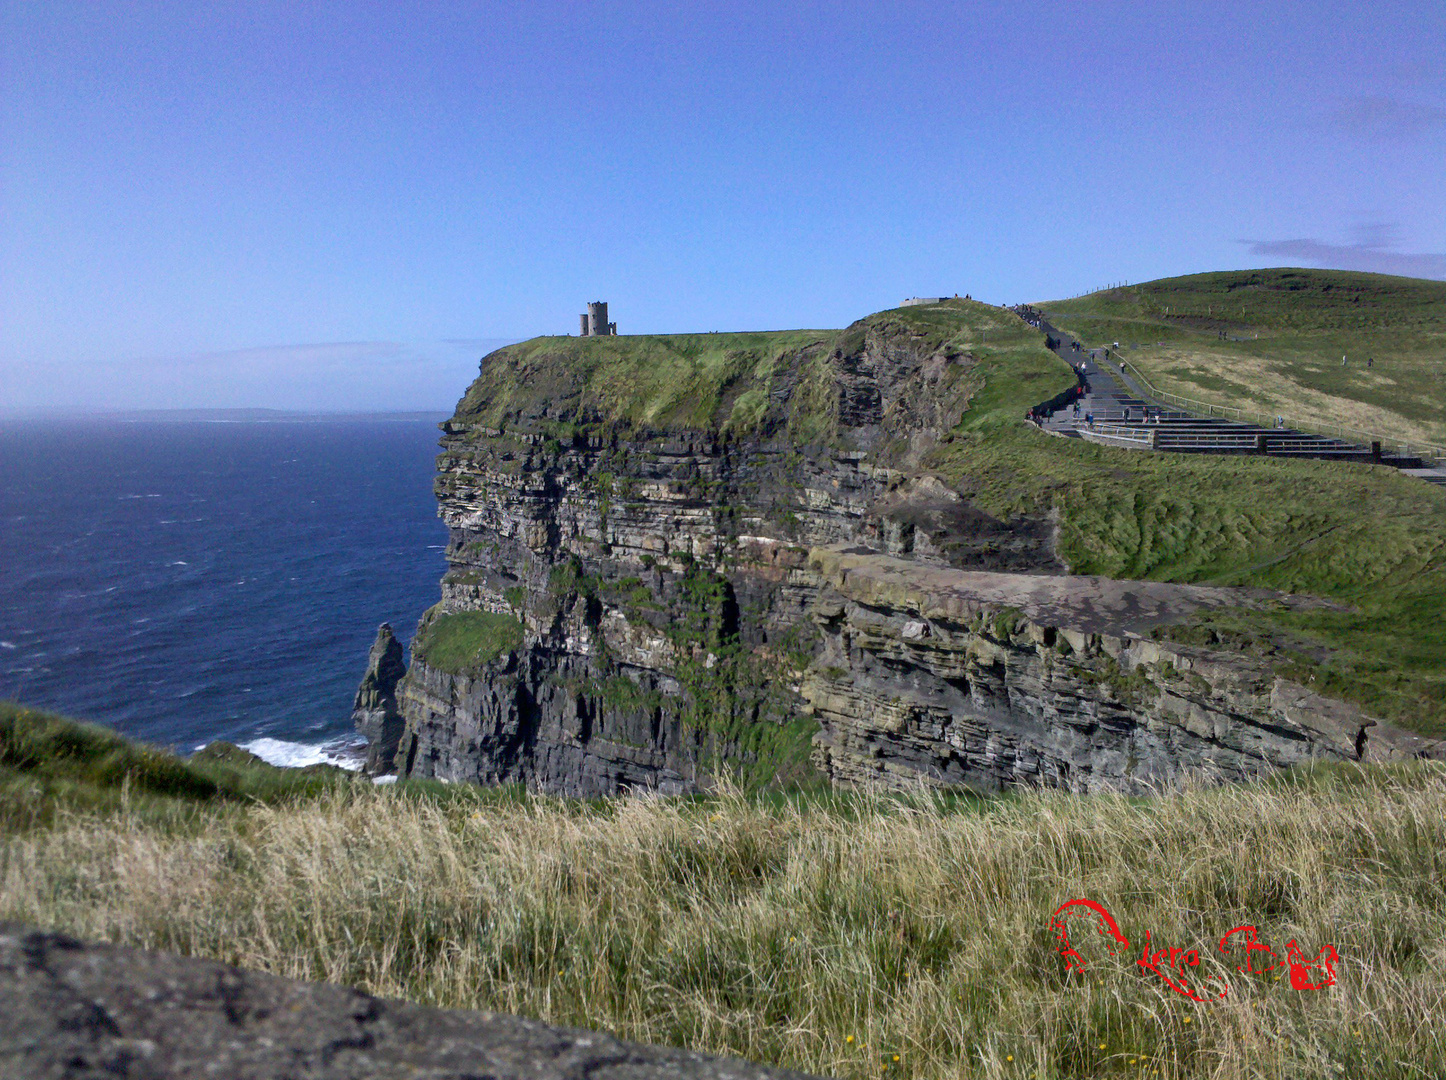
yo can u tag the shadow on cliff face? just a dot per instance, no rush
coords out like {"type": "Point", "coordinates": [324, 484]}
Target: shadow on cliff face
{"type": "Point", "coordinates": [931, 522]}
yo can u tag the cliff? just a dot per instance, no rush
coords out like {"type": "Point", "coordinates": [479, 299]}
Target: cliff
{"type": "Point", "coordinates": [650, 580]}
{"type": "Point", "coordinates": [990, 679]}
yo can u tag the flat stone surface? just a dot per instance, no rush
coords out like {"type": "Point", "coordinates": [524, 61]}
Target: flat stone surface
{"type": "Point", "coordinates": [79, 1011]}
{"type": "Point", "coordinates": [1094, 605]}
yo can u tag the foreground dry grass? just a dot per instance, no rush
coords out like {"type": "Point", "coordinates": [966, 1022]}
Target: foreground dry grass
{"type": "Point", "coordinates": [847, 936]}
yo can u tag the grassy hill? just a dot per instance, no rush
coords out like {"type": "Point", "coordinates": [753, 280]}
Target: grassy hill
{"type": "Point", "coordinates": [846, 935]}
{"type": "Point", "coordinates": [1284, 333]}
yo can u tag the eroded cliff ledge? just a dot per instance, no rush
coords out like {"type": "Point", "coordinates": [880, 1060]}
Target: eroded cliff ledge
{"type": "Point", "coordinates": [650, 580]}
{"type": "Point", "coordinates": [990, 679]}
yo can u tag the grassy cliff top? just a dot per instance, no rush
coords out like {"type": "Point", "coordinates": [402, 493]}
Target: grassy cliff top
{"type": "Point", "coordinates": [1272, 341]}
{"type": "Point", "coordinates": [717, 382]}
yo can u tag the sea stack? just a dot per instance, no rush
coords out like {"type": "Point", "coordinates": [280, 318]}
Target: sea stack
{"type": "Point", "coordinates": [375, 713]}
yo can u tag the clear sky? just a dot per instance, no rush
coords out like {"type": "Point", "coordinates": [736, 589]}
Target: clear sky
{"type": "Point", "coordinates": [343, 205]}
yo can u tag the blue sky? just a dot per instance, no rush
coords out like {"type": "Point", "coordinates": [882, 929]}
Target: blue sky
{"type": "Point", "coordinates": [343, 205]}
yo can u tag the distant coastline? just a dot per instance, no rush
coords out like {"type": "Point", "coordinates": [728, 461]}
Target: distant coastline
{"type": "Point", "coordinates": [221, 416]}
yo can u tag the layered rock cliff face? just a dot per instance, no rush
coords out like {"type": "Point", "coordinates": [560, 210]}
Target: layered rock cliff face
{"type": "Point", "coordinates": [375, 713]}
{"type": "Point", "coordinates": [645, 587]}
{"type": "Point", "coordinates": [987, 680]}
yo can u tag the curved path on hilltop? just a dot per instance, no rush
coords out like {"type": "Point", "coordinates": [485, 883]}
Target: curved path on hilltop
{"type": "Point", "coordinates": [1115, 409]}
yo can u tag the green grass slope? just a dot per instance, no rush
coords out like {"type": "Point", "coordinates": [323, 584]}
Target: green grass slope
{"type": "Point", "coordinates": [671, 381]}
{"type": "Point", "coordinates": [49, 763]}
{"type": "Point", "coordinates": [840, 934]}
{"type": "Point", "coordinates": [1285, 331]}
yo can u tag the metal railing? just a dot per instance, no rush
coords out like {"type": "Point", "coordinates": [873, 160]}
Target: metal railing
{"type": "Point", "coordinates": [1427, 452]}
{"type": "Point", "coordinates": [1164, 437]}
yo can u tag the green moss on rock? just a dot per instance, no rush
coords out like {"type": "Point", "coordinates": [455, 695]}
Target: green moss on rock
{"type": "Point", "coordinates": [465, 640]}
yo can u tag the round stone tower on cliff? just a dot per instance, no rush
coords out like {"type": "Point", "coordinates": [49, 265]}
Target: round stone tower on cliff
{"type": "Point", "coordinates": [595, 321]}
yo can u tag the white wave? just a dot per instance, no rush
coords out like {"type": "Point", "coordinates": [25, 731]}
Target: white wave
{"type": "Point", "coordinates": [178, 562]}
{"type": "Point", "coordinates": [392, 779]}
{"type": "Point", "coordinates": [294, 755]}
{"type": "Point", "coordinates": [8, 645]}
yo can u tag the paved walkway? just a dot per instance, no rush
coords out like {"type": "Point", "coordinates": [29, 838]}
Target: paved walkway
{"type": "Point", "coordinates": [1115, 409]}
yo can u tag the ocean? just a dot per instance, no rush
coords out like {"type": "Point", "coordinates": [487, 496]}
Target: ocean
{"type": "Point", "coordinates": [185, 581]}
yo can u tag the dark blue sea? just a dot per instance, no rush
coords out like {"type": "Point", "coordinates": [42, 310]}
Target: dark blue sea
{"type": "Point", "coordinates": [184, 581]}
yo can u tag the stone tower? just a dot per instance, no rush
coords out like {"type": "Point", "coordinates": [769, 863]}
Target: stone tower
{"type": "Point", "coordinates": [595, 321]}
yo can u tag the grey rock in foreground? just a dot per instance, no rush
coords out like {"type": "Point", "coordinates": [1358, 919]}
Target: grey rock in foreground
{"type": "Point", "coordinates": [77, 1010]}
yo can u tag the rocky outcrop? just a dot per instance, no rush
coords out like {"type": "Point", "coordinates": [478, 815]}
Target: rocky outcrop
{"type": "Point", "coordinates": [80, 1010]}
{"type": "Point", "coordinates": [375, 713]}
{"type": "Point", "coordinates": [659, 572]}
{"type": "Point", "coordinates": [993, 679]}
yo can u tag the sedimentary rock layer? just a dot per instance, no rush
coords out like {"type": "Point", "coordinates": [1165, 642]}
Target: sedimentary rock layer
{"type": "Point", "coordinates": [658, 578]}
{"type": "Point", "coordinates": [988, 679]}
{"type": "Point", "coordinates": [643, 600]}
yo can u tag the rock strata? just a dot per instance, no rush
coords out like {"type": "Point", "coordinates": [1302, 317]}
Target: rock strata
{"type": "Point", "coordinates": [657, 571]}
{"type": "Point", "coordinates": [991, 679]}
{"type": "Point", "coordinates": [643, 599]}
{"type": "Point", "coordinates": [375, 713]}
{"type": "Point", "coordinates": [80, 1011]}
